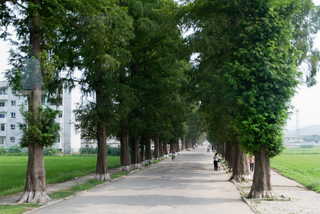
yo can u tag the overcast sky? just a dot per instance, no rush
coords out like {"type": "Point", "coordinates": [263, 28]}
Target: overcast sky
{"type": "Point", "coordinates": [307, 100]}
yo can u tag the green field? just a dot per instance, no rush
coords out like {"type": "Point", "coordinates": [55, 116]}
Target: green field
{"type": "Point", "coordinates": [58, 169]}
{"type": "Point", "coordinates": [302, 165]}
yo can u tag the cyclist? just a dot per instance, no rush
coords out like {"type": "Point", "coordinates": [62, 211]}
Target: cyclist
{"type": "Point", "coordinates": [173, 153]}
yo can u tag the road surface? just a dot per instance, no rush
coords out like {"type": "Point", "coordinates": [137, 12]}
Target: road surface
{"type": "Point", "coordinates": [186, 185]}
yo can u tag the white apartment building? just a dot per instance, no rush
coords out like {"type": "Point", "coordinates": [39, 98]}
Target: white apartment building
{"type": "Point", "coordinates": [10, 116]}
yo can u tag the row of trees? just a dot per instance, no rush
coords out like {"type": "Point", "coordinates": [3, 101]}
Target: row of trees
{"type": "Point", "coordinates": [133, 61]}
{"type": "Point", "coordinates": [246, 73]}
{"type": "Point", "coordinates": [135, 64]}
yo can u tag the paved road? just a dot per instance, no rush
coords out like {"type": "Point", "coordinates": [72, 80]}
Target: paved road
{"type": "Point", "coordinates": [186, 185]}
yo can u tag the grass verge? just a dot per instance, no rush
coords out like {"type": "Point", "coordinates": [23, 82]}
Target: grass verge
{"type": "Point", "coordinates": [17, 209]}
{"type": "Point", "coordinates": [13, 170]}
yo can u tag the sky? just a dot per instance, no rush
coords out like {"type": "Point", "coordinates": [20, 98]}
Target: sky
{"type": "Point", "coordinates": [307, 100]}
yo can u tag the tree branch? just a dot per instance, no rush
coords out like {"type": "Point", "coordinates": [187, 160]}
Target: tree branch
{"type": "Point", "coordinates": [14, 2]}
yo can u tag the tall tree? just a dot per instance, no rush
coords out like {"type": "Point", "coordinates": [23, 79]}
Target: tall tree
{"type": "Point", "coordinates": [37, 25]}
{"type": "Point", "coordinates": [107, 33]}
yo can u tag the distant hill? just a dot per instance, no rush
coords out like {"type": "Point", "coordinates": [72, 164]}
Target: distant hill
{"type": "Point", "coordinates": [308, 130]}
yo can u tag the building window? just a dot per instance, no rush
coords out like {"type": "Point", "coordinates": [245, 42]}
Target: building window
{"type": "Point", "coordinates": [2, 140]}
{"type": "Point", "coordinates": [2, 127]}
{"type": "Point", "coordinates": [60, 115]}
{"type": "Point", "coordinates": [14, 91]}
{"type": "Point", "coordinates": [12, 139]}
{"type": "Point", "coordinates": [13, 103]}
{"type": "Point", "coordinates": [2, 104]}
{"type": "Point", "coordinates": [13, 115]}
{"type": "Point", "coordinates": [2, 116]}
{"type": "Point", "coordinates": [26, 102]}
{"type": "Point", "coordinates": [13, 126]}
{"type": "Point", "coordinates": [58, 140]}
{"type": "Point", "coordinates": [3, 91]}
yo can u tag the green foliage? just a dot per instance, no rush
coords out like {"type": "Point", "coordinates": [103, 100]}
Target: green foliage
{"type": "Point", "coordinates": [301, 165]}
{"type": "Point", "coordinates": [49, 151]}
{"type": "Point", "coordinates": [315, 138]}
{"type": "Point", "coordinates": [88, 150]}
{"type": "Point", "coordinates": [111, 151]}
{"type": "Point", "coordinates": [3, 150]}
{"type": "Point", "coordinates": [15, 149]}
{"type": "Point", "coordinates": [13, 179]}
{"type": "Point", "coordinates": [40, 128]}
{"type": "Point", "coordinates": [307, 146]}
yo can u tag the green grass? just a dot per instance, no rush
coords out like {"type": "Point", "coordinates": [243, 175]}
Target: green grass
{"type": "Point", "coordinates": [58, 169]}
{"type": "Point", "coordinates": [301, 165]}
{"type": "Point", "coordinates": [17, 209]}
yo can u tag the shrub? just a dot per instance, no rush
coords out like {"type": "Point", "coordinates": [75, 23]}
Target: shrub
{"type": "Point", "coordinates": [88, 150]}
{"type": "Point", "coordinates": [3, 150]}
{"type": "Point", "coordinates": [306, 146]}
{"type": "Point", "coordinates": [15, 149]}
{"type": "Point", "coordinates": [113, 151]}
{"type": "Point", "coordinates": [50, 151]}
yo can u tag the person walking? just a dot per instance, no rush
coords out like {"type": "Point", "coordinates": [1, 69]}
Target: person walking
{"type": "Point", "coordinates": [173, 154]}
{"type": "Point", "coordinates": [251, 161]}
{"type": "Point", "coordinates": [215, 161]}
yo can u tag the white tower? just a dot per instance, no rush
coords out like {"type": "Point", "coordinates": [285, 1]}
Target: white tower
{"type": "Point", "coordinates": [297, 123]}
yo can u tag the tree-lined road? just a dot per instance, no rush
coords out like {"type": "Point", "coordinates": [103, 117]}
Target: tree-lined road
{"type": "Point", "coordinates": [186, 185]}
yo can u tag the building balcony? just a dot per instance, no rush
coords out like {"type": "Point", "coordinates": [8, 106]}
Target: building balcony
{"type": "Point", "coordinates": [3, 109]}
{"type": "Point", "coordinates": [3, 120]}
{"type": "Point", "coordinates": [3, 96]}
{"type": "Point", "coordinates": [3, 133]}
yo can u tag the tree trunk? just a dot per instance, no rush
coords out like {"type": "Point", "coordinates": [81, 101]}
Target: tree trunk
{"type": "Point", "coordinates": [165, 150]}
{"type": "Point", "coordinates": [135, 156]}
{"type": "Point", "coordinates": [124, 140]}
{"type": "Point", "coordinates": [161, 148]}
{"type": "Point", "coordinates": [156, 148]}
{"type": "Point", "coordinates": [142, 154]}
{"type": "Point", "coordinates": [102, 162]}
{"type": "Point", "coordinates": [261, 185]}
{"type": "Point", "coordinates": [176, 146]}
{"type": "Point", "coordinates": [35, 188]}
{"type": "Point", "coordinates": [183, 148]}
{"type": "Point", "coordinates": [148, 152]}
{"type": "Point", "coordinates": [240, 169]}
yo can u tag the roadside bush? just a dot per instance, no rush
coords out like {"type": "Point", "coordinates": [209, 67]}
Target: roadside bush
{"type": "Point", "coordinates": [88, 150]}
{"type": "Point", "coordinates": [306, 146]}
{"type": "Point", "coordinates": [3, 150]}
{"type": "Point", "coordinates": [113, 151]}
{"type": "Point", "coordinates": [50, 151]}
{"type": "Point", "coordinates": [15, 149]}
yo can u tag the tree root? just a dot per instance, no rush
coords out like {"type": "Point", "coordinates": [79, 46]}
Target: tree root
{"type": "Point", "coordinates": [149, 161]}
{"type": "Point", "coordinates": [103, 177]}
{"type": "Point", "coordinates": [40, 197]}
{"type": "Point", "coordinates": [125, 168]}
{"type": "Point", "coordinates": [240, 178]}
{"type": "Point", "coordinates": [259, 194]}
{"type": "Point", "coordinates": [136, 166]}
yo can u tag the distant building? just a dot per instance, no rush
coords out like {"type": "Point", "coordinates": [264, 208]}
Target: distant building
{"type": "Point", "coordinates": [69, 140]}
{"type": "Point", "coordinates": [291, 138]}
